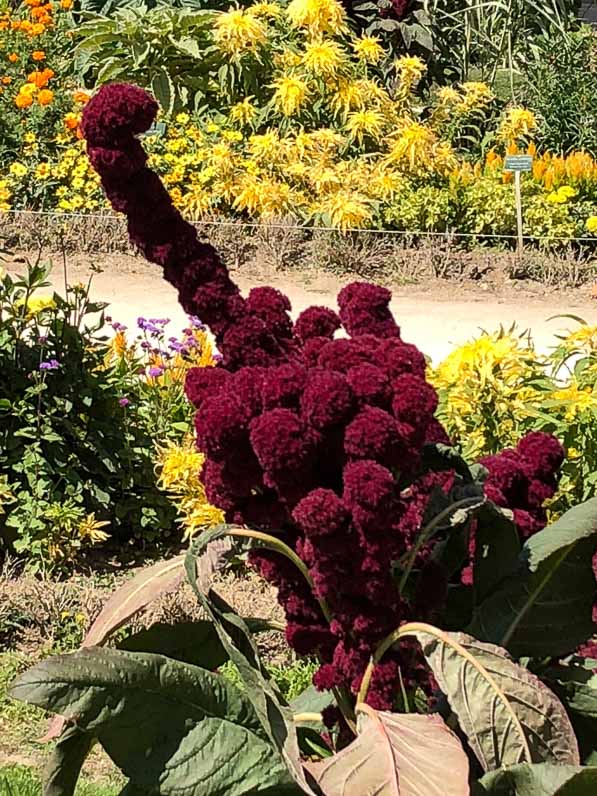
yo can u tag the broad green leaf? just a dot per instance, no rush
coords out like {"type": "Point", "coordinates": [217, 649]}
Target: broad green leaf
{"type": "Point", "coordinates": [311, 701]}
{"type": "Point", "coordinates": [275, 716]}
{"type": "Point", "coordinates": [544, 607]}
{"type": "Point", "coordinates": [576, 684]}
{"type": "Point", "coordinates": [396, 755]}
{"type": "Point", "coordinates": [62, 770]}
{"type": "Point", "coordinates": [539, 780]}
{"type": "Point", "coordinates": [508, 714]}
{"type": "Point", "coordinates": [189, 642]}
{"type": "Point", "coordinates": [111, 69]}
{"type": "Point", "coordinates": [169, 726]}
{"type": "Point", "coordinates": [137, 593]}
{"type": "Point", "coordinates": [497, 547]}
{"type": "Point", "coordinates": [189, 46]}
{"type": "Point", "coordinates": [163, 90]}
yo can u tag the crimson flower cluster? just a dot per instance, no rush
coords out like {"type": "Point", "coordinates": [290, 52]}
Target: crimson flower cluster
{"type": "Point", "coordinates": [314, 437]}
{"type": "Point", "coordinates": [522, 479]}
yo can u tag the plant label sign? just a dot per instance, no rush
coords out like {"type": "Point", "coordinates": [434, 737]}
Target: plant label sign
{"type": "Point", "coordinates": [158, 129]}
{"type": "Point", "coordinates": [518, 163]}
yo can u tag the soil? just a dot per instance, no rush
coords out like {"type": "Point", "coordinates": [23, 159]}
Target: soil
{"type": "Point", "coordinates": [434, 315]}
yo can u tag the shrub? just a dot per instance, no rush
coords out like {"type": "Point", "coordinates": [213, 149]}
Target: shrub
{"type": "Point", "coordinates": [79, 419]}
{"type": "Point", "coordinates": [558, 83]}
{"type": "Point", "coordinates": [496, 388]}
{"type": "Point", "coordinates": [325, 454]}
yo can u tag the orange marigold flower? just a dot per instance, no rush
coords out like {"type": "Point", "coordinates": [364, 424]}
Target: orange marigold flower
{"type": "Point", "coordinates": [23, 100]}
{"type": "Point", "coordinates": [45, 96]}
{"type": "Point", "coordinates": [7, 80]}
{"type": "Point", "coordinates": [81, 97]}
{"type": "Point", "coordinates": [4, 24]}
{"type": "Point", "coordinates": [37, 29]}
{"type": "Point", "coordinates": [38, 55]}
{"type": "Point", "coordinates": [33, 3]}
{"type": "Point", "coordinates": [66, 4]}
{"type": "Point", "coordinates": [13, 58]}
{"type": "Point", "coordinates": [71, 121]}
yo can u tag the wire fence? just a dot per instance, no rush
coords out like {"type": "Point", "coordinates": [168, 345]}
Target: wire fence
{"type": "Point", "coordinates": [448, 234]}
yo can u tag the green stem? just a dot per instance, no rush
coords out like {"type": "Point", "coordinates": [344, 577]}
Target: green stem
{"type": "Point", "coordinates": [429, 529]}
{"type": "Point", "coordinates": [276, 544]}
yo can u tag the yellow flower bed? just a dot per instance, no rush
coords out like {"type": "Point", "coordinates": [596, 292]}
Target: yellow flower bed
{"type": "Point", "coordinates": [327, 142]}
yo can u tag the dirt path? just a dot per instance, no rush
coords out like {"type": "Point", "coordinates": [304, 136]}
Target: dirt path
{"type": "Point", "coordinates": [435, 317]}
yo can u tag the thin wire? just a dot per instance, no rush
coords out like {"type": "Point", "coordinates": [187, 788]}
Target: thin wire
{"type": "Point", "coordinates": [303, 228]}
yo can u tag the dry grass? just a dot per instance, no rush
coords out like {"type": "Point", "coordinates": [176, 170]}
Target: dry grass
{"type": "Point", "coordinates": [281, 245]}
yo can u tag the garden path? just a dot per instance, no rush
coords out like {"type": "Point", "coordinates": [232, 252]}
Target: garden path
{"type": "Point", "coordinates": [434, 316]}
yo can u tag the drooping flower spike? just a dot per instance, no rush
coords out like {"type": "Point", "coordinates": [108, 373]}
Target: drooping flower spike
{"type": "Point", "coordinates": [310, 436]}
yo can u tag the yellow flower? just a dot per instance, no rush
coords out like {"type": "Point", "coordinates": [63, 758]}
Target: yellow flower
{"type": "Point", "coordinates": [317, 16]}
{"type": "Point", "coordinates": [576, 400]}
{"type": "Point", "coordinates": [591, 225]}
{"type": "Point", "coordinates": [182, 119]}
{"type": "Point", "coordinates": [347, 210]}
{"type": "Point", "coordinates": [179, 467]}
{"type": "Point", "coordinates": [414, 144]}
{"type": "Point", "coordinates": [90, 530]}
{"type": "Point", "coordinates": [244, 112]}
{"type": "Point", "coordinates": [475, 96]}
{"type": "Point", "coordinates": [517, 123]}
{"type": "Point", "coordinates": [323, 58]}
{"type": "Point", "coordinates": [29, 138]}
{"type": "Point", "coordinates": [365, 124]}
{"type": "Point", "coordinates": [410, 69]}
{"type": "Point", "coordinates": [18, 169]}
{"type": "Point", "coordinates": [265, 9]}
{"type": "Point", "coordinates": [290, 94]}
{"type": "Point", "coordinates": [447, 95]}
{"type": "Point", "coordinates": [43, 171]}
{"type": "Point", "coordinates": [349, 96]}
{"type": "Point", "coordinates": [236, 31]}
{"type": "Point", "coordinates": [368, 49]}
{"type": "Point", "coordinates": [585, 337]}
{"type": "Point", "coordinates": [562, 195]}
{"type": "Point", "coordinates": [37, 304]}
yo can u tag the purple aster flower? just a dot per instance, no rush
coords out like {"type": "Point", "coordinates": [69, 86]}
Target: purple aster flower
{"type": "Point", "coordinates": [118, 327]}
{"type": "Point", "coordinates": [153, 372]}
{"type": "Point", "coordinates": [51, 364]}
{"type": "Point", "coordinates": [124, 401]}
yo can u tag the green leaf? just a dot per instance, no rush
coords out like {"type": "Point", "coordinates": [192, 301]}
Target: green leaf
{"type": "Point", "coordinates": [508, 714]}
{"type": "Point", "coordinates": [274, 715]}
{"type": "Point", "coordinates": [497, 547]}
{"type": "Point", "coordinates": [544, 607]}
{"type": "Point", "coordinates": [163, 90]}
{"type": "Point", "coordinates": [539, 780]}
{"type": "Point", "coordinates": [189, 642]}
{"type": "Point", "coordinates": [62, 770]}
{"type": "Point", "coordinates": [576, 684]}
{"type": "Point", "coordinates": [137, 593]}
{"type": "Point", "coordinates": [311, 701]}
{"type": "Point", "coordinates": [171, 727]}
{"type": "Point", "coordinates": [396, 755]}
{"type": "Point", "coordinates": [112, 68]}
{"type": "Point", "coordinates": [189, 46]}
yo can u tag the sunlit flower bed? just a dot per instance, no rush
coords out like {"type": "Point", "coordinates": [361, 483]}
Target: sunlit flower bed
{"type": "Point", "coordinates": [328, 142]}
